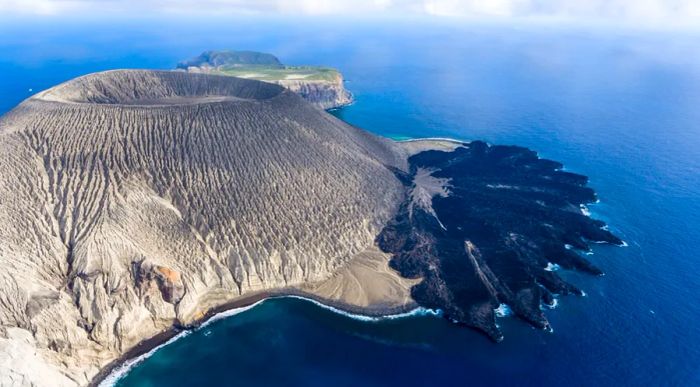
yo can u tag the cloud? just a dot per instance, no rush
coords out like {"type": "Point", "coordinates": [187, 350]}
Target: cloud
{"type": "Point", "coordinates": [640, 13]}
{"type": "Point", "coordinates": [498, 8]}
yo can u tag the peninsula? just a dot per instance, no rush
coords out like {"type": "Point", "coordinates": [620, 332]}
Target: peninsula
{"type": "Point", "coordinates": [322, 86]}
{"type": "Point", "coordinates": [140, 202]}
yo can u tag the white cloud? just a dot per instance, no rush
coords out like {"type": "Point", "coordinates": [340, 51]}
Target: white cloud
{"type": "Point", "coordinates": [641, 13]}
{"type": "Point", "coordinates": [497, 8]}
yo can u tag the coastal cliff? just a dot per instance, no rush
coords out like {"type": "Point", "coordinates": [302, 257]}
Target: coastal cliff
{"type": "Point", "coordinates": [326, 94]}
{"type": "Point", "coordinates": [322, 86]}
{"type": "Point", "coordinates": [138, 203]}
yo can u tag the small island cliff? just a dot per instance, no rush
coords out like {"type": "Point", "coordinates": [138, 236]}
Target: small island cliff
{"type": "Point", "coordinates": [322, 86]}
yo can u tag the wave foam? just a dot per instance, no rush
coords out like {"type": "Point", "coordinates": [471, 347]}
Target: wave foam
{"type": "Point", "coordinates": [229, 313]}
{"type": "Point", "coordinates": [420, 311]}
{"type": "Point", "coordinates": [121, 371]}
{"type": "Point", "coordinates": [503, 310]}
{"type": "Point", "coordinates": [124, 369]}
{"type": "Point", "coordinates": [448, 139]}
{"type": "Point", "coordinates": [552, 267]}
{"type": "Point", "coordinates": [585, 211]}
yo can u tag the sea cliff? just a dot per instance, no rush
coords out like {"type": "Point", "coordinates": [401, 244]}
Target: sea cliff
{"type": "Point", "coordinates": [322, 86]}
{"type": "Point", "coordinates": [326, 94]}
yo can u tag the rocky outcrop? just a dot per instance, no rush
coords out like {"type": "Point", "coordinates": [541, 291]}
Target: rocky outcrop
{"type": "Point", "coordinates": [167, 281]}
{"type": "Point", "coordinates": [326, 94]}
{"type": "Point", "coordinates": [323, 87]}
{"type": "Point", "coordinates": [482, 224]}
{"type": "Point", "coordinates": [213, 58]}
{"type": "Point", "coordinates": [136, 200]}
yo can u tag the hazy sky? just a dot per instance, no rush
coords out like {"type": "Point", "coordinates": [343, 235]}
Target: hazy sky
{"type": "Point", "coordinates": [636, 13]}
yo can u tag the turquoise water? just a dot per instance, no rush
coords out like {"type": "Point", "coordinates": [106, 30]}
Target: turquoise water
{"type": "Point", "coordinates": [618, 107]}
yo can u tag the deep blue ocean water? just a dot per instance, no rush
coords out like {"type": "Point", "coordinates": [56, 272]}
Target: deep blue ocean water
{"type": "Point", "coordinates": [620, 107]}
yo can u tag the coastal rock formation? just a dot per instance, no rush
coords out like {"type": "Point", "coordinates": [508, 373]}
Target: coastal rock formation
{"type": "Point", "coordinates": [216, 59]}
{"type": "Point", "coordinates": [482, 224]}
{"type": "Point", "coordinates": [321, 86]}
{"type": "Point", "coordinates": [135, 200]}
{"type": "Point", "coordinates": [326, 94]}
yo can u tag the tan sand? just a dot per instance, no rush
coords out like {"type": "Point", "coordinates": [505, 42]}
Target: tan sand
{"type": "Point", "coordinates": [366, 282]}
{"type": "Point", "coordinates": [414, 146]}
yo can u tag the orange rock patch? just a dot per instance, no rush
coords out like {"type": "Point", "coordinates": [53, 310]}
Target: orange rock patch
{"type": "Point", "coordinates": [170, 274]}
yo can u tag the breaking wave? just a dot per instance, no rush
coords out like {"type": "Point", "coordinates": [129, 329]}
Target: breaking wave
{"type": "Point", "coordinates": [129, 364]}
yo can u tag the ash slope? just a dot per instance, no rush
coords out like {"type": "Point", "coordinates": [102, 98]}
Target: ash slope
{"type": "Point", "coordinates": [481, 225]}
{"type": "Point", "coordinates": [135, 200]}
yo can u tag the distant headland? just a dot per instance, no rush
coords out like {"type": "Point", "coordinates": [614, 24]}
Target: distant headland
{"type": "Point", "coordinates": [322, 86]}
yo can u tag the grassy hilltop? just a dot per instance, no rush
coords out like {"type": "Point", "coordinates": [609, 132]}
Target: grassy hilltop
{"type": "Point", "coordinates": [257, 65]}
{"type": "Point", "coordinates": [286, 73]}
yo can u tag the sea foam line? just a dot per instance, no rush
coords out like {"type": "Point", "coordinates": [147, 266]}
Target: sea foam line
{"type": "Point", "coordinates": [229, 313]}
{"type": "Point", "coordinates": [123, 369]}
{"type": "Point", "coordinates": [419, 311]}
{"type": "Point", "coordinates": [447, 139]}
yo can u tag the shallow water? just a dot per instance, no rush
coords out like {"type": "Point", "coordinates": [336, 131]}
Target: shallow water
{"type": "Point", "coordinates": [618, 107]}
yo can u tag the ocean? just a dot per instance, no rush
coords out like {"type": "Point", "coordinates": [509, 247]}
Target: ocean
{"type": "Point", "coordinates": [618, 106]}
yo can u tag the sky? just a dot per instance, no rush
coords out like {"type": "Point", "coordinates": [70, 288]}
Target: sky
{"type": "Point", "coordinates": [665, 14]}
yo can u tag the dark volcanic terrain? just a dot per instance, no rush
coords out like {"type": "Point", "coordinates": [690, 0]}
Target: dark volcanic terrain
{"type": "Point", "coordinates": [499, 217]}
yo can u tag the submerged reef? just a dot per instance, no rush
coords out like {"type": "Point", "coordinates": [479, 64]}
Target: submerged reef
{"type": "Point", "coordinates": [483, 224]}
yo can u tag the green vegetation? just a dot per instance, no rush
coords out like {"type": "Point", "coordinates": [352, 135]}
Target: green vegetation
{"type": "Point", "coordinates": [256, 65]}
{"type": "Point", "coordinates": [231, 57]}
{"type": "Point", "coordinates": [268, 73]}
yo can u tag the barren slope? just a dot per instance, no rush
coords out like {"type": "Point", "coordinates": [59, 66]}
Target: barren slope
{"type": "Point", "coordinates": [132, 200]}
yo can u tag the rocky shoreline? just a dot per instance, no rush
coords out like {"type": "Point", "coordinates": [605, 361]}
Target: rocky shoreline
{"type": "Point", "coordinates": [154, 342]}
{"type": "Point", "coordinates": [480, 225]}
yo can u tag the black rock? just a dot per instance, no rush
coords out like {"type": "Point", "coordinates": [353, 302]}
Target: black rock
{"type": "Point", "coordinates": [508, 214]}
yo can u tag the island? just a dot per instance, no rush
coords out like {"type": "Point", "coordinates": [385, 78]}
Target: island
{"type": "Point", "coordinates": [322, 86]}
{"type": "Point", "coordinates": [137, 204]}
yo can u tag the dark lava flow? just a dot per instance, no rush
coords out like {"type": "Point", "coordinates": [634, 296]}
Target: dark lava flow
{"type": "Point", "coordinates": [507, 215]}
